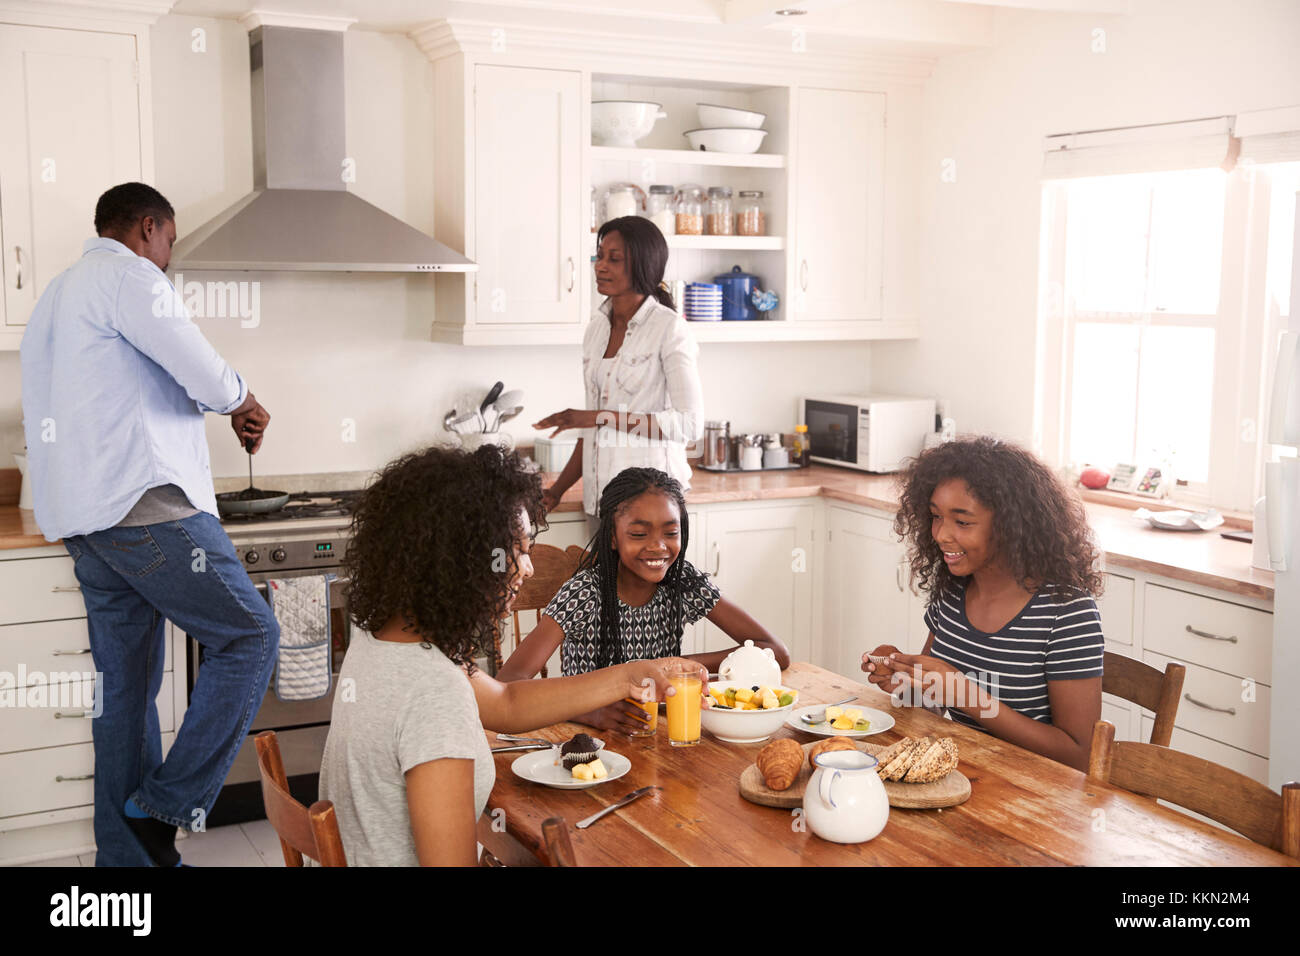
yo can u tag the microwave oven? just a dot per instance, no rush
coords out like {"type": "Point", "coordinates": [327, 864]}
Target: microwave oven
{"type": "Point", "coordinates": [871, 433]}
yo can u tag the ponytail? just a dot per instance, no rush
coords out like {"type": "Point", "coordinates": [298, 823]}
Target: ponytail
{"type": "Point", "coordinates": [664, 296]}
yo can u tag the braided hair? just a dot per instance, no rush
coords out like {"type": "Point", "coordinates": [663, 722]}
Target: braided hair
{"type": "Point", "coordinates": [601, 556]}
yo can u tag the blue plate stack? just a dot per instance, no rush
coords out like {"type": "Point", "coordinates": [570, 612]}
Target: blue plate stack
{"type": "Point", "coordinates": [703, 302]}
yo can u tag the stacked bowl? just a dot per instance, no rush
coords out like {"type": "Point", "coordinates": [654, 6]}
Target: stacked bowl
{"type": "Point", "coordinates": [703, 302]}
{"type": "Point", "coordinates": [727, 129]}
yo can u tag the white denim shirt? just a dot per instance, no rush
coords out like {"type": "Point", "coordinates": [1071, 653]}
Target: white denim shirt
{"type": "Point", "coordinates": [654, 371]}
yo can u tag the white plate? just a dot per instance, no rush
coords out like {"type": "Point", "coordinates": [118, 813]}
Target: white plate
{"type": "Point", "coordinates": [540, 767]}
{"type": "Point", "coordinates": [880, 722]}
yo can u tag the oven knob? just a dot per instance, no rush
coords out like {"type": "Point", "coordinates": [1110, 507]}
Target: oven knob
{"type": "Point", "coordinates": [277, 554]}
{"type": "Point", "coordinates": [250, 557]}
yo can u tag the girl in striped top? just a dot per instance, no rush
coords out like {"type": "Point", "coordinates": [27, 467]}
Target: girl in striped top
{"type": "Point", "coordinates": [1006, 554]}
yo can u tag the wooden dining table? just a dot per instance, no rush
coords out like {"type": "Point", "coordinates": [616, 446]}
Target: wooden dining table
{"type": "Point", "coordinates": [1023, 810]}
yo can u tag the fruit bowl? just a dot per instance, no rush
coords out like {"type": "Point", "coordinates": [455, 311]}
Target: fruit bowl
{"type": "Point", "coordinates": [744, 726]}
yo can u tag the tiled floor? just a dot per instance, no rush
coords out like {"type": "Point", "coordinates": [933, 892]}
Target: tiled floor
{"type": "Point", "coordinates": [242, 844]}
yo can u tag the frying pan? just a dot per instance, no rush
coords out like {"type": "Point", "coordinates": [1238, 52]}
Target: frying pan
{"type": "Point", "coordinates": [251, 500]}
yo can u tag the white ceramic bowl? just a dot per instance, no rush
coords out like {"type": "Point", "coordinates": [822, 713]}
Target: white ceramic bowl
{"type": "Point", "coordinates": [743, 726]}
{"type": "Point", "coordinates": [729, 116]}
{"type": "Point", "coordinates": [622, 122]}
{"type": "Point", "coordinates": [728, 140]}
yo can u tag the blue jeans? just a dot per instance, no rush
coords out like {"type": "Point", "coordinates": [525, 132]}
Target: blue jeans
{"type": "Point", "coordinates": [132, 579]}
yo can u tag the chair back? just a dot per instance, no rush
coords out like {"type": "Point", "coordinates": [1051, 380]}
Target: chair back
{"type": "Point", "coordinates": [1147, 687]}
{"type": "Point", "coordinates": [502, 849]}
{"type": "Point", "coordinates": [304, 831]}
{"type": "Point", "coordinates": [1223, 795]}
{"type": "Point", "coordinates": [552, 566]}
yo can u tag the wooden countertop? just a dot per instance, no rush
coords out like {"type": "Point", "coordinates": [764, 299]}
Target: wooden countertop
{"type": "Point", "coordinates": [1202, 557]}
{"type": "Point", "coordinates": [1024, 809]}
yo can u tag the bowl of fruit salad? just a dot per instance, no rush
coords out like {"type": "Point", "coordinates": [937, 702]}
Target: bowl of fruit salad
{"type": "Point", "coordinates": [745, 713]}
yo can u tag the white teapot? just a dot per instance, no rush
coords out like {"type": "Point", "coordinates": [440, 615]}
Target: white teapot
{"type": "Point", "coordinates": [750, 665]}
{"type": "Point", "coordinates": [845, 801]}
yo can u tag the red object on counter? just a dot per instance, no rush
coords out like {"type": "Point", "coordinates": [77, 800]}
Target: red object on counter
{"type": "Point", "coordinates": [1094, 478]}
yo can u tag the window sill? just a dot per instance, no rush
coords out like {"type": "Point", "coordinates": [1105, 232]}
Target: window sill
{"type": "Point", "coordinates": [1122, 499]}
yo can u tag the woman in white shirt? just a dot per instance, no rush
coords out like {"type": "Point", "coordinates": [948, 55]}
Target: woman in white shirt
{"type": "Point", "coordinates": [639, 368]}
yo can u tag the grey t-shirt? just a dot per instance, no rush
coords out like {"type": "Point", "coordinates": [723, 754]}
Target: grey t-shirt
{"type": "Point", "coordinates": [159, 504]}
{"type": "Point", "coordinates": [396, 706]}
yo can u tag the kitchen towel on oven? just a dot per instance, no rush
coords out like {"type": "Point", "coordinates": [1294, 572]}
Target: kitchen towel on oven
{"type": "Point", "coordinates": [302, 608]}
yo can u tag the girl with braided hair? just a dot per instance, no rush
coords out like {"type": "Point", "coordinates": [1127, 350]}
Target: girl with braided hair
{"type": "Point", "coordinates": [633, 595]}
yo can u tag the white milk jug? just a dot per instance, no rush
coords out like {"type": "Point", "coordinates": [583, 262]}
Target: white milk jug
{"type": "Point", "coordinates": [845, 801]}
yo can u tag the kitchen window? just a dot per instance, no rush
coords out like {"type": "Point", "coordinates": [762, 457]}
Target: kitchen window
{"type": "Point", "coordinates": [1163, 292]}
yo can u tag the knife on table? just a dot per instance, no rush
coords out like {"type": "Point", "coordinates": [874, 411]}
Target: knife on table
{"type": "Point", "coordinates": [583, 824]}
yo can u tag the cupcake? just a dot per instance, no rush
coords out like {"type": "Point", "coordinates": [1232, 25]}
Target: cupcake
{"type": "Point", "coordinates": [579, 749]}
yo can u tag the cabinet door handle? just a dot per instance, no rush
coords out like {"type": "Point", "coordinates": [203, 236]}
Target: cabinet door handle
{"type": "Point", "coordinates": [69, 653]}
{"type": "Point", "coordinates": [65, 588]}
{"type": "Point", "coordinates": [573, 273]}
{"type": "Point", "coordinates": [84, 713]}
{"type": "Point", "coordinates": [803, 275]}
{"type": "Point", "coordinates": [62, 779]}
{"type": "Point", "coordinates": [1222, 710]}
{"type": "Point", "coordinates": [18, 261]}
{"type": "Point", "coordinates": [1213, 637]}
{"type": "Point", "coordinates": [717, 562]}
{"type": "Point", "coordinates": [898, 574]}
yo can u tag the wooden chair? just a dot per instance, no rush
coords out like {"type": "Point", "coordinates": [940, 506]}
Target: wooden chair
{"type": "Point", "coordinates": [1147, 687]}
{"type": "Point", "coordinates": [551, 568]}
{"type": "Point", "coordinates": [304, 831]}
{"type": "Point", "coordinates": [577, 552]}
{"type": "Point", "coordinates": [502, 849]}
{"type": "Point", "coordinates": [1223, 795]}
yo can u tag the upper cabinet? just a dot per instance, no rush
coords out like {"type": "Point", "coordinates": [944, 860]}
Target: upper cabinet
{"type": "Point", "coordinates": [520, 181]}
{"type": "Point", "coordinates": [71, 116]}
{"type": "Point", "coordinates": [839, 199]}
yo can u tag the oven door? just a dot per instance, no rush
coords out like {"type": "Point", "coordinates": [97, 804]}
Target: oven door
{"type": "Point", "coordinates": [306, 720]}
{"type": "Point", "coordinates": [832, 431]}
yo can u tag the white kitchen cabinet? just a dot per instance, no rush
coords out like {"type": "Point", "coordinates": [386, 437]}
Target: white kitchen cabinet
{"type": "Point", "coordinates": [762, 559]}
{"type": "Point", "coordinates": [510, 188]}
{"type": "Point", "coordinates": [867, 599]}
{"type": "Point", "coordinates": [838, 220]}
{"type": "Point", "coordinates": [71, 116]}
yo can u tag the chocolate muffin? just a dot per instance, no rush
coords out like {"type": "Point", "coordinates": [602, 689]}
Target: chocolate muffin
{"type": "Point", "coordinates": [579, 749]}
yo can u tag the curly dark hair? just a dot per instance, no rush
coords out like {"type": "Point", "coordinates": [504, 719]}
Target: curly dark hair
{"type": "Point", "coordinates": [1040, 529]}
{"type": "Point", "coordinates": [628, 484]}
{"type": "Point", "coordinates": [433, 539]}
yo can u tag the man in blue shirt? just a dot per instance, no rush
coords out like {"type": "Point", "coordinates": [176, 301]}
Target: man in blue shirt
{"type": "Point", "coordinates": [116, 381]}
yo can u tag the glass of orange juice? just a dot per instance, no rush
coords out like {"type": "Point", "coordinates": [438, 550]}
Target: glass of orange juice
{"type": "Point", "coordinates": [684, 705]}
{"type": "Point", "coordinates": [651, 708]}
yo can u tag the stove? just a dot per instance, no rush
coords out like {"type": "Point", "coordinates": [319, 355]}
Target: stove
{"type": "Point", "coordinates": [304, 504]}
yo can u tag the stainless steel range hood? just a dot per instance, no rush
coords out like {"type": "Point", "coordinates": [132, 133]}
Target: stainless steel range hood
{"type": "Point", "coordinates": [300, 216]}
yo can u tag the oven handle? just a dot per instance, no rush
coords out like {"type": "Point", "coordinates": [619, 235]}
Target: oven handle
{"type": "Point", "coordinates": [341, 582]}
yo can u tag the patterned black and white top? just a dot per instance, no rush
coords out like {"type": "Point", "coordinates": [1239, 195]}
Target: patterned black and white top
{"type": "Point", "coordinates": [643, 632]}
{"type": "Point", "coordinates": [1052, 638]}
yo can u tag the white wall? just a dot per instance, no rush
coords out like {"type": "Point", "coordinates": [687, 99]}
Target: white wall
{"type": "Point", "coordinates": [335, 347]}
{"type": "Point", "coordinates": [988, 111]}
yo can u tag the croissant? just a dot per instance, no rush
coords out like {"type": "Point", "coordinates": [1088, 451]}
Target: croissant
{"type": "Point", "coordinates": [829, 744]}
{"type": "Point", "coordinates": [779, 763]}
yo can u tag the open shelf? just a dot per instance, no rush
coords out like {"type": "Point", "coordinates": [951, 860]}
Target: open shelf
{"type": "Point", "coordinates": [688, 157]}
{"type": "Point", "coordinates": [774, 243]}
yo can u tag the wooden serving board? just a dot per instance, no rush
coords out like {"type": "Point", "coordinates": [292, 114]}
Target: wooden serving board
{"type": "Point", "coordinates": [948, 792]}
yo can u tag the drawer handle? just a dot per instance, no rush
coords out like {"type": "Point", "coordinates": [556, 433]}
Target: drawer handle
{"type": "Point", "coordinates": [59, 713]}
{"type": "Point", "coordinates": [1213, 637]}
{"type": "Point", "coordinates": [69, 653]}
{"type": "Point", "coordinates": [62, 588]}
{"type": "Point", "coordinates": [1221, 710]}
{"type": "Point", "coordinates": [62, 779]}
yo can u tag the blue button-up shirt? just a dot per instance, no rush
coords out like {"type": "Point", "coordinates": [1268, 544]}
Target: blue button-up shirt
{"type": "Point", "coordinates": [116, 379]}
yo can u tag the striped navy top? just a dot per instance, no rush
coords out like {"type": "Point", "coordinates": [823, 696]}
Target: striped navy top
{"type": "Point", "coordinates": [1054, 637]}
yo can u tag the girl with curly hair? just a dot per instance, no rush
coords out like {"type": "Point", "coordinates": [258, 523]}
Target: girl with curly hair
{"type": "Point", "coordinates": [633, 595]}
{"type": "Point", "coordinates": [1006, 554]}
{"type": "Point", "coordinates": [439, 549]}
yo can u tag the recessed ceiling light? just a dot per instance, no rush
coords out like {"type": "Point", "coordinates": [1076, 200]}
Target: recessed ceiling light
{"type": "Point", "coordinates": [790, 12]}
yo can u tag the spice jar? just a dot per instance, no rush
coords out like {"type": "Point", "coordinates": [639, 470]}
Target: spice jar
{"type": "Point", "coordinates": [719, 221]}
{"type": "Point", "coordinates": [659, 209]}
{"type": "Point", "coordinates": [751, 216]}
{"type": "Point", "coordinates": [690, 210]}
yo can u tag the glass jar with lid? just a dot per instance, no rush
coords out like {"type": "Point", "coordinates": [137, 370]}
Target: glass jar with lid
{"type": "Point", "coordinates": [659, 209]}
{"type": "Point", "coordinates": [622, 199]}
{"type": "Point", "coordinates": [690, 210]}
{"type": "Point", "coordinates": [751, 213]}
{"type": "Point", "coordinates": [719, 221]}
